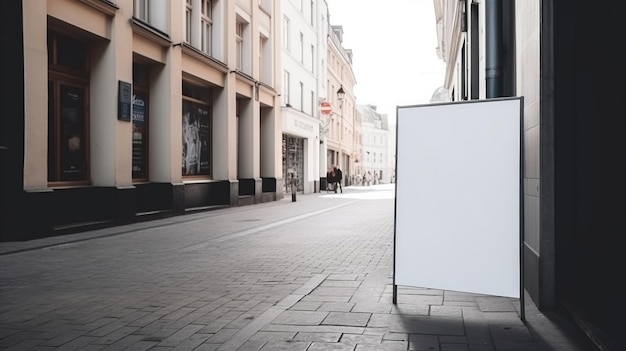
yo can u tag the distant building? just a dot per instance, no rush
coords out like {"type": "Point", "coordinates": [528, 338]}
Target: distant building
{"type": "Point", "coordinates": [378, 153]}
{"type": "Point", "coordinates": [342, 126]}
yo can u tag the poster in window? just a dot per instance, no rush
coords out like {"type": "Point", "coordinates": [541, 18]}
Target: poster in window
{"type": "Point", "coordinates": [139, 136]}
{"type": "Point", "coordinates": [196, 140]}
{"type": "Point", "coordinates": [73, 152]}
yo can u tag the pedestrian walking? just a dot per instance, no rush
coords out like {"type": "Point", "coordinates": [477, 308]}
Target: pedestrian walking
{"type": "Point", "coordinates": [338, 178]}
{"type": "Point", "coordinates": [331, 179]}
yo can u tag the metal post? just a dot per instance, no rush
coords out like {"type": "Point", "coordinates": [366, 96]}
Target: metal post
{"type": "Point", "coordinates": [293, 188]}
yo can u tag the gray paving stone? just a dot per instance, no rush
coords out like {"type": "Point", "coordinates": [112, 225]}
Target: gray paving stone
{"type": "Point", "coordinates": [333, 291]}
{"type": "Point", "coordinates": [268, 335]}
{"type": "Point", "coordinates": [328, 283]}
{"type": "Point", "coordinates": [222, 336]}
{"type": "Point", "coordinates": [372, 307]}
{"type": "Point", "coordinates": [495, 304]}
{"type": "Point", "coordinates": [462, 347]}
{"type": "Point", "coordinates": [405, 308]}
{"type": "Point", "coordinates": [326, 298]}
{"type": "Point", "coordinates": [395, 345]}
{"type": "Point", "coordinates": [343, 277]}
{"type": "Point", "coordinates": [396, 336]}
{"type": "Point", "coordinates": [318, 337]}
{"type": "Point", "coordinates": [510, 333]}
{"type": "Point", "coordinates": [347, 318]}
{"type": "Point", "coordinates": [361, 339]}
{"type": "Point", "coordinates": [421, 299]}
{"type": "Point", "coordinates": [184, 334]}
{"type": "Point", "coordinates": [446, 311]}
{"type": "Point", "coordinates": [250, 345]}
{"type": "Point", "coordinates": [326, 346]}
{"type": "Point", "coordinates": [418, 324]}
{"type": "Point", "coordinates": [300, 318]}
{"type": "Point", "coordinates": [336, 306]}
{"type": "Point", "coordinates": [419, 342]}
{"type": "Point", "coordinates": [306, 306]}
{"type": "Point", "coordinates": [314, 329]}
{"type": "Point", "coordinates": [286, 346]}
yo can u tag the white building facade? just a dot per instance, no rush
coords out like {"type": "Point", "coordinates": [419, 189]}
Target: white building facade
{"type": "Point", "coordinates": [378, 147]}
{"type": "Point", "coordinates": [304, 26]}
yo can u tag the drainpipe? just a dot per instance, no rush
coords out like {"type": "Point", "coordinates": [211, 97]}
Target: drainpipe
{"type": "Point", "coordinates": [493, 47]}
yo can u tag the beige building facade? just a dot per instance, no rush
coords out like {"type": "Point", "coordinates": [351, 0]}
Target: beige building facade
{"type": "Point", "coordinates": [343, 125]}
{"type": "Point", "coordinates": [135, 108]}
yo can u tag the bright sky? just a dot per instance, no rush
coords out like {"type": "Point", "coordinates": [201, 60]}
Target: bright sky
{"type": "Point", "coordinates": [393, 46]}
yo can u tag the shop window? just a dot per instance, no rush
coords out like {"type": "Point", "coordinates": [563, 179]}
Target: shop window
{"type": "Point", "coordinates": [68, 112]}
{"type": "Point", "coordinates": [140, 119]}
{"type": "Point", "coordinates": [196, 127]}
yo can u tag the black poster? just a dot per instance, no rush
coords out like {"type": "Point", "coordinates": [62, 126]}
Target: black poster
{"type": "Point", "coordinates": [124, 101]}
{"type": "Point", "coordinates": [196, 140]}
{"type": "Point", "coordinates": [139, 136]}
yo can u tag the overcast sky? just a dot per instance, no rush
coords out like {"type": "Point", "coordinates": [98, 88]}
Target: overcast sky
{"type": "Point", "coordinates": [394, 45]}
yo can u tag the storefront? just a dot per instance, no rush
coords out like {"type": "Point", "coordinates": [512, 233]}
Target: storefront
{"type": "Point", "coordinates": [293, 163]}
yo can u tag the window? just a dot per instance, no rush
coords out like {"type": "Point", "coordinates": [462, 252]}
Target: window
{"type": "Point", "coordinates": [142, 10]}
{"type": "Point", "coordinates": [266, 5]}
{"type": "Point", "coordinates": [197, 129]}
{"type": "Point", "coordinates": [188, 20]}
{"type": "Point", "coordinates": [301, 94]}
{"type": "Point", "coordinates": [239, 39]}
{"type": "Point", "coordinates": [312, 58]}
{"type": "Point", "coordinates": [154, 13]}
{"type": "Point", "coordinates": [206, 24]}
{"type": "Point", "coordinates": [140, 122]}
{"type": "Point", "coordinates": [68, 113]}
{"type": "Point", "coordinates": [286, 31]}
{"type": "Point", "coordinates": [286, 89]}
{"type": "Point", "coordinates": [301, 48]}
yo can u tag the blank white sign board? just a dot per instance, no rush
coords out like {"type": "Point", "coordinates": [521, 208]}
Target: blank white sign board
{"type": "Point", "coordinates": [457, 211]}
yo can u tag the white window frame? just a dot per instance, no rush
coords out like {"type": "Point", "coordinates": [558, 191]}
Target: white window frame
{"type": "Point", "coordinates": [286, 35]}
{"type": "Point", "coordinates": [188, 21]}
{"type": "Point", "coordinates": [301, 51]}
{"type": "Point", "coordinates": [301, 88]}
{"type": "Point", "coordinates": [286, 88]}
{"type": "Point", "coordinates": [206, 27]}
{"type": "Point", "coordinates": [239, 44]}
{"type": "Point", "coordinates": [142, 10]}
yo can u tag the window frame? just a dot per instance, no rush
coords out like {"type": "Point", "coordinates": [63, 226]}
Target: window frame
{"type": "Point", "coordinates": [144, 90]}
{"type": "Point", "coordinates": [239, 44]}
{"type": "Point", "coordinates": [73, 78]}
{"type": "Point", "coordinates": [206, 27]}
{"type": "Point", "coordinates": [198, 101]}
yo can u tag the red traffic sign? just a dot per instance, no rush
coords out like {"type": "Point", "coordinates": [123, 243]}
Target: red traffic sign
{"type": "Point", "coordinates": [325, 107]}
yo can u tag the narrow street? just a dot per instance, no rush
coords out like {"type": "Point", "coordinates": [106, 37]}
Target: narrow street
{"type": "Point", "coordinates": [315, 274]}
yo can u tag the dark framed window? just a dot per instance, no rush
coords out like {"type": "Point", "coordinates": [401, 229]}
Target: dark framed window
{"type": "Point", "coordinates": [197, 129]}
{"type": "Point", "coordinates": [140, 120]}
{"type": "Point", "coordinates": [68, 110]}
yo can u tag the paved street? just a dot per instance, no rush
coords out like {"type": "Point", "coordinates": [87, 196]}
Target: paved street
{"type": "Point", "coordinates": [315, 274]}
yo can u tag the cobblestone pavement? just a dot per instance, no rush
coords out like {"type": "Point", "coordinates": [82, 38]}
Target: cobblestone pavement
{"type": "Point", "coordinates": [314, 274]}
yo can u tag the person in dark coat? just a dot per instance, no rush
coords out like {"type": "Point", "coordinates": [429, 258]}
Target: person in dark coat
{"type": "Point", "coordinates": [330, 179]}
{"type": "Point", "coordinates": [338, 178]}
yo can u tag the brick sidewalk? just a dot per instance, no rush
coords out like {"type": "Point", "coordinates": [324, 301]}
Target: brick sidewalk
{"type": "Point", "coordinates": [315, 274]}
